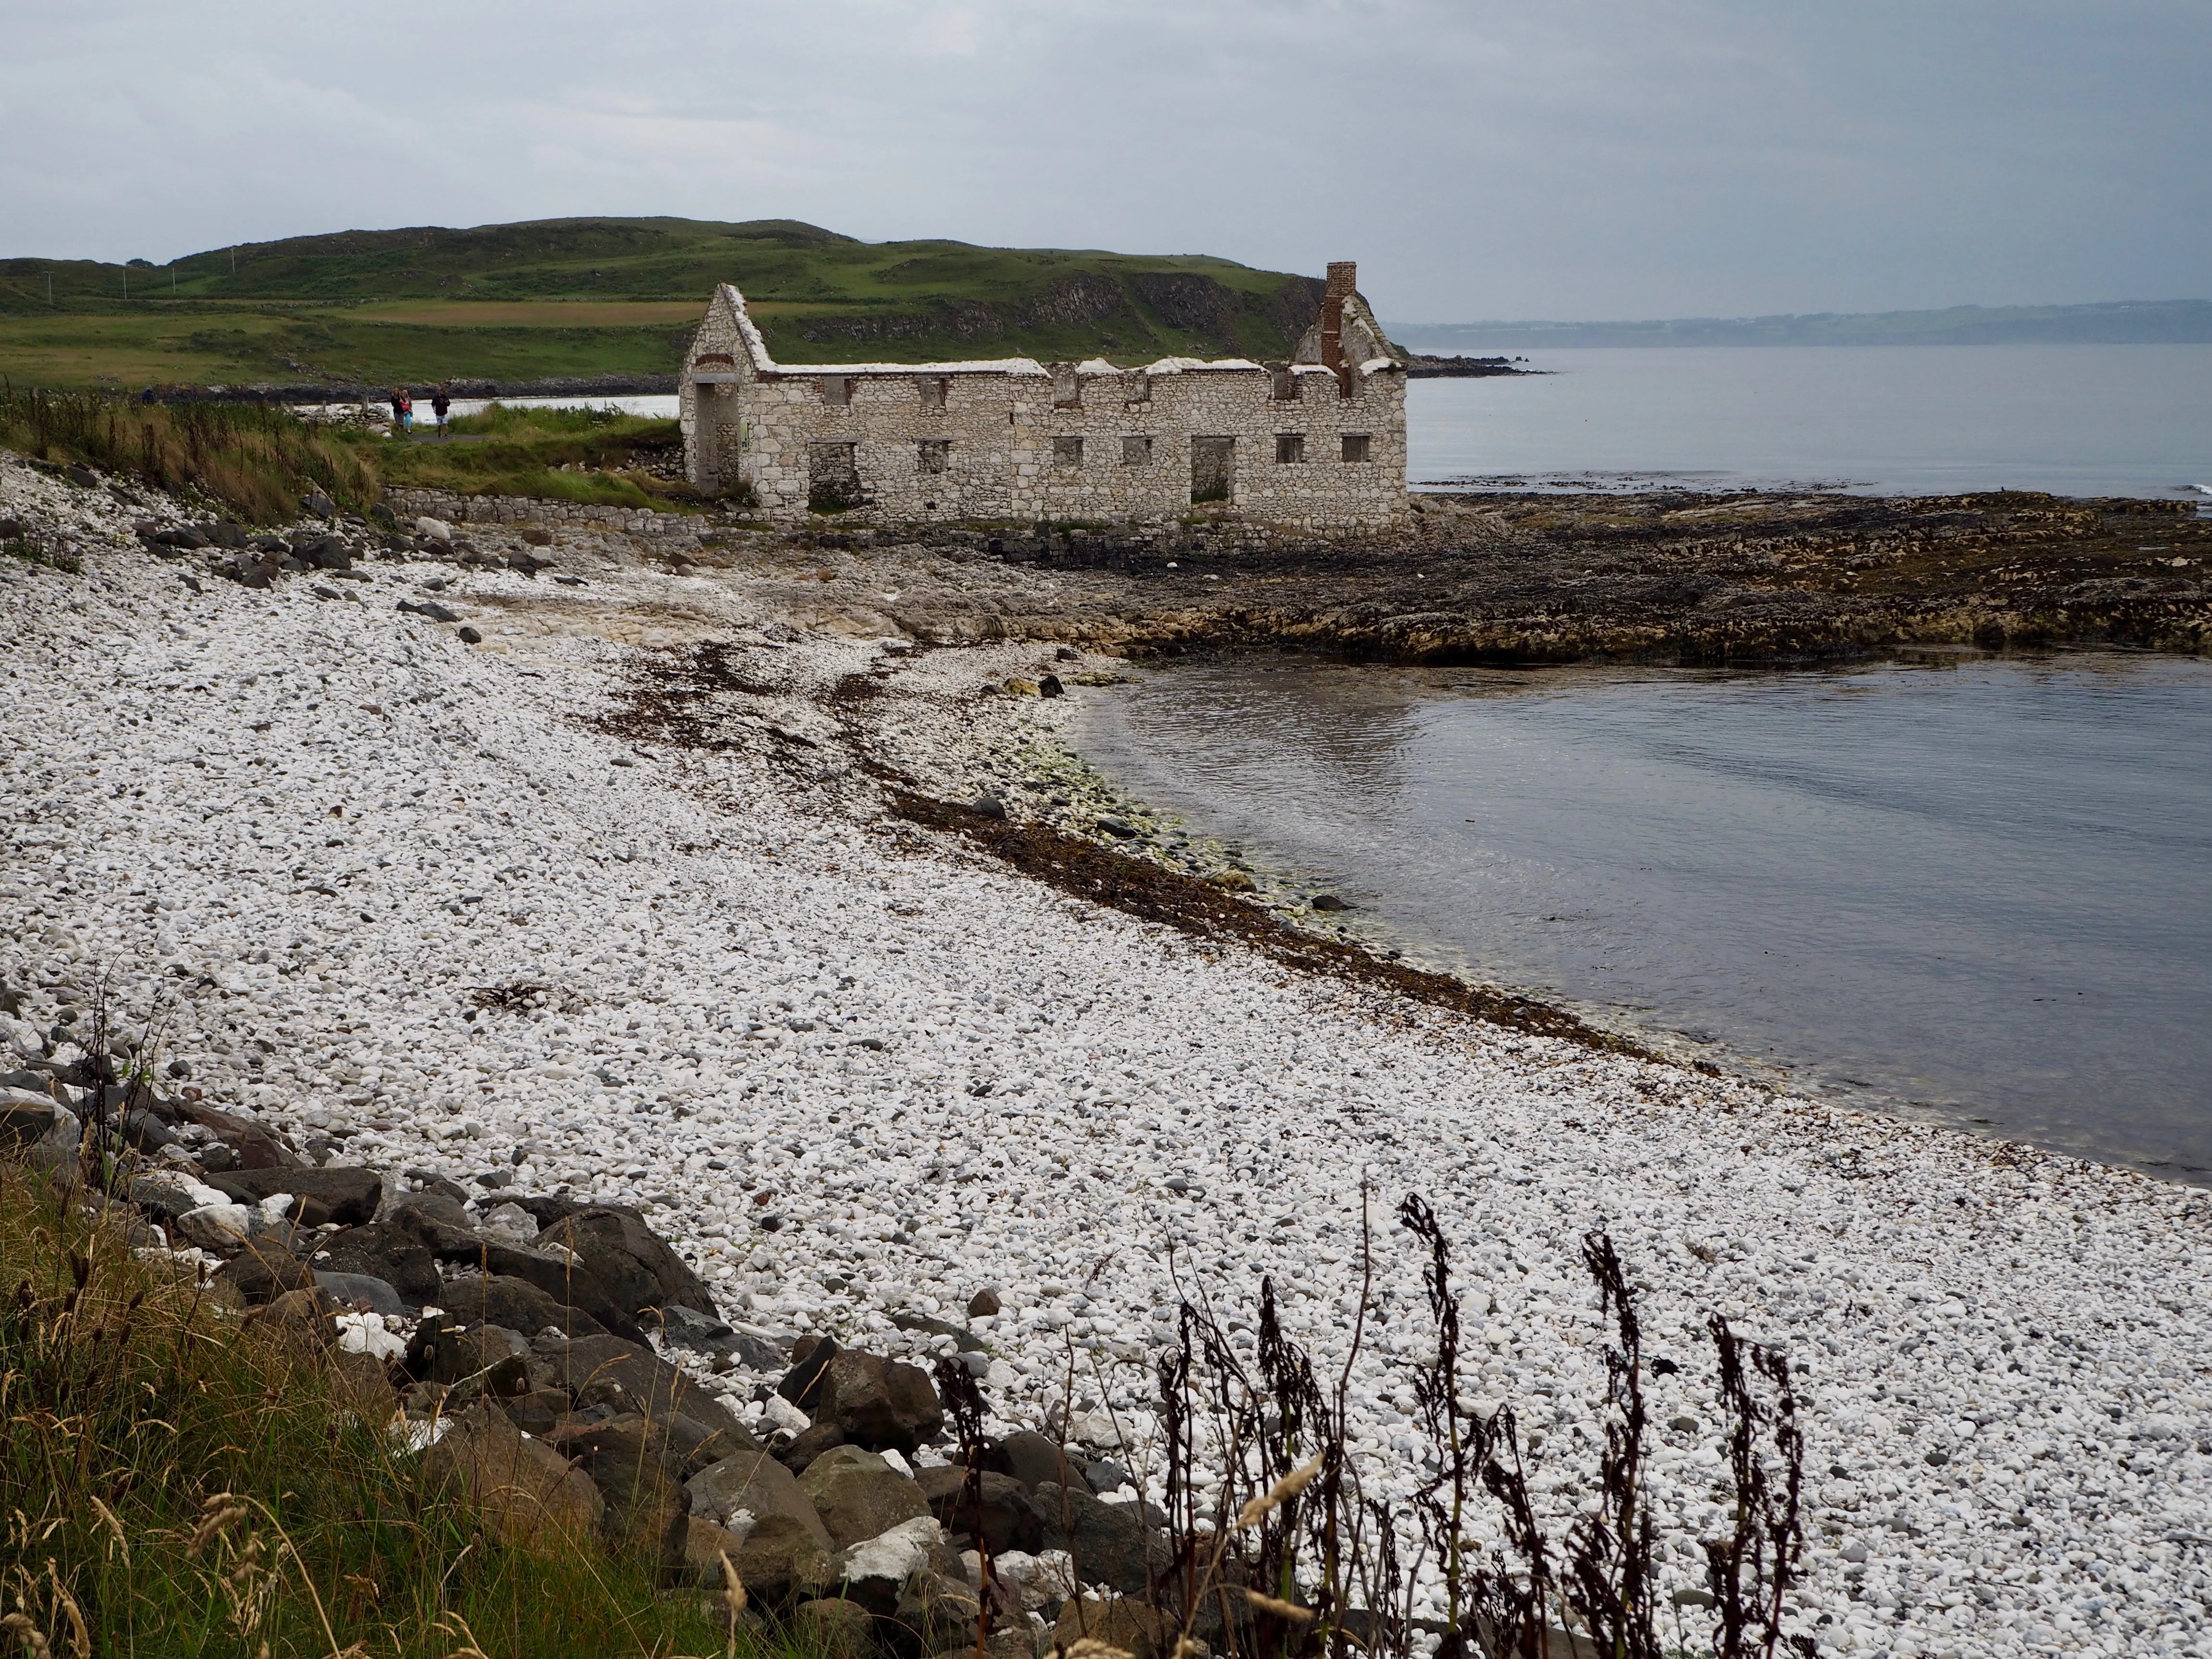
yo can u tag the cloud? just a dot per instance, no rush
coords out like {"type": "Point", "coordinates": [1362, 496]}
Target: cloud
{"type": "Point", "coordinates": [1521, 158]}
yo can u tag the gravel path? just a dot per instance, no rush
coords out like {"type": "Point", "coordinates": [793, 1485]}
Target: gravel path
{"type": "Point", "coordinates": [864, 1073]}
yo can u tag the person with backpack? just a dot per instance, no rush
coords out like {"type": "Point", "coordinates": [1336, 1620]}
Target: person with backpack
{"type": "Point", "coordinates": [398, 401]}
{"type": "Point", "coordinates": [441, 401]}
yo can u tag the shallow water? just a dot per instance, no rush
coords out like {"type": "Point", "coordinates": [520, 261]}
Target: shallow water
{"type": "Point", "coordinates": [2076, 420]}
{"type": "Point", "coordinates": [1980, 889]}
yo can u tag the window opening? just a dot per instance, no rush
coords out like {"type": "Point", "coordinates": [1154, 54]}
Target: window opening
{"type": "Point", "coordinates": [837, 390]}
{"type": "Point", "coordinates": [934, 388]}
{"type": "Point", "coordinates": [833, 477]}
{"type": "Point", "coordinates": [1290, 448]}
{"type": "Point", "coordinates": [932, 455]}
{"type": "Point", "coordinates": [1284, 388]}
{"type": "Point", "coordinates": [1066, 388]}
{"type": "Point", "coordinates": [1212, 469]}
{"type": "Point", "coordinates": [1067, 451]}
{"type": "Point", "coordinates": [1136, 452]}
{"type": "Point", "coordinates": [1357, 446]}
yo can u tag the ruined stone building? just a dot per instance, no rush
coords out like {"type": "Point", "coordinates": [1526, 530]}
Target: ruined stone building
{"type": "Point", "coordinates": [1318, 442]}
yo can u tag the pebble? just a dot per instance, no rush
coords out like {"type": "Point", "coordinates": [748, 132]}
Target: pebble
{"type": "Point", "coordinates": [857, 1069]}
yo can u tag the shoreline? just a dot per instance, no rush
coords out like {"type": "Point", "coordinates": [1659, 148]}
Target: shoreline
{"type": "Point", "coordinates": [651, 792]}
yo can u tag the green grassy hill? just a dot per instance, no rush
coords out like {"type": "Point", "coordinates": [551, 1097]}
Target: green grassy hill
{"type": "Point", "coordinates": [587, 296]}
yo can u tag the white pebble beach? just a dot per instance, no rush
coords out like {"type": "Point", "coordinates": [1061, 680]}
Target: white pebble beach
{"type": "Point", "coordinates": [296, 835]}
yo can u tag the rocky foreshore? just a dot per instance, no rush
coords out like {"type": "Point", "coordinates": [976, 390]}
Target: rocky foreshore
{"type": "Point", "coordinates": [568, 888]}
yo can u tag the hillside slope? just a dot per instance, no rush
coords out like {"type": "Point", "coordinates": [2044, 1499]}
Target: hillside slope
{"type": "Point", "coordinates": [581, 296]}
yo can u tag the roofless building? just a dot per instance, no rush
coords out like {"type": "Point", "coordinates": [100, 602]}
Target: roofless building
{"type": "Point", "coordinates": [1318, 442]}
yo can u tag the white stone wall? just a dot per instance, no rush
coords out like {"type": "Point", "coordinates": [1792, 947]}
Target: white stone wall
{"type": "Point", "coordinates": [1005, 425]}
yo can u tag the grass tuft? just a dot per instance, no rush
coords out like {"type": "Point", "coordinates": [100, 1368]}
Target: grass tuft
{"type": "Point", "coordinates": [177, 1480]}
{"type": "Point", "coordinates": [257, 459]}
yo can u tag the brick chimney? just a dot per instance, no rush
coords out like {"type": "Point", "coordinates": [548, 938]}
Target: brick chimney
{"type": "Point", "coordinates": [1343, 280]}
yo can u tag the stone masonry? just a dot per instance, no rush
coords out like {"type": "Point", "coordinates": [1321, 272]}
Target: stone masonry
{"type": "Point", "coordinates": [1316, 443]}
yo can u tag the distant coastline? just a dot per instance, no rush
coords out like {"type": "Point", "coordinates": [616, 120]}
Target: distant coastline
{"type": "Point", "coordinates": [2159, 322]}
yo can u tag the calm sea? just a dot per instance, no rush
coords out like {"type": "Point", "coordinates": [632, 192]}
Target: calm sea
{"type": "Point", "coordinates": [1976, 889]}
{"type": "Point", "coordinates": [2076, 420]}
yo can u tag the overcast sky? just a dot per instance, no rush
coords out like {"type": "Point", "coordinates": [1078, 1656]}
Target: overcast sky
{"type": "Point", "coordinates": [1574, 158]}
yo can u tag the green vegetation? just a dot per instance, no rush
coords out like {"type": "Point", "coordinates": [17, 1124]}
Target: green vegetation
{"type": "Point", "coordinates": [563, 455]}
{"type": "Point", "coordinates": [588, 297]}
{"type": "Point", "coordinates": [257, 461]}
{"type": "Point", "coordinates": [178, 1479]}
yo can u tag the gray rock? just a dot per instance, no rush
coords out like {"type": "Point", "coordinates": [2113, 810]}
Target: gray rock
{"type": "Point", "coordinates": [606, 1370]}
{"type": "Point", "coordinates": [753, 1484]}
{"type": "Point", "coordinates": [859, 1495]}
{"type": "Point", "coordinates": [635, 1264]}
{"type": "Point", "coordinates": [38, 1130]}
{"type": "Point", "coordinates": [432, 609]}
{"type": "Point", "coordinates": [1109, 1540]}
{"type": "Point", "coordinates": [362, 1291]}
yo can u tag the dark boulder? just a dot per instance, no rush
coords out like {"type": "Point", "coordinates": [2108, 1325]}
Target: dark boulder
{"type": "Point", "coordinates": [347, 1197]}
{"type": "Point", "coordinates": [1110, 1539]}
{"type": "Point", "coordinates": [498, 1299]}
{"type": "Point", "coordinates": [256, 1148]}
{"type": "Point", "coordinates": [646, 1510]}
{"type": "Point", "coordinates": [381, 1250]}
{"type": "Point", "coordinates": [1007, 1520]}
{"type": "Point", "coordinates": [265, 1269]}
{"type": "Point", "coordinates": [808, 1444]}
{"type": "Point", "coordinates": [635, 1264]}
{"type": "Point", "coordinates": [627, 1377]}
{"type": "Point", "coordinates": [1033, 1460]}
{"type": "Point", "coordinates": [880, 1403]}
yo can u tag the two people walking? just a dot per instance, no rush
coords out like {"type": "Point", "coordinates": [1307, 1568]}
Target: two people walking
{"type": "Point", "coordinates": [403, 408]}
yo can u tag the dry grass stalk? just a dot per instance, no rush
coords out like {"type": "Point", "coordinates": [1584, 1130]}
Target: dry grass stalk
{"type": "Point", "coordinates": [28, 1634]}
{"type": "Point", "coordinates": [1287, 1610]}
{"type": "Point", "coordinates": [1280, 1493]}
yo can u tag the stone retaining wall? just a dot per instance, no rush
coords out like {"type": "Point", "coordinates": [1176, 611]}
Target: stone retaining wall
{"type": "Point", "coordinates": [533, 510]}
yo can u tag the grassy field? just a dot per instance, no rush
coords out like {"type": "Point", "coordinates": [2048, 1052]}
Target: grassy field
{"type": "Point", "coordinates": [567, 297]}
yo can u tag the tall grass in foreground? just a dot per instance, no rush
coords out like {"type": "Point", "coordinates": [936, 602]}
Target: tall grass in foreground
{"type": "Point", "coordinates": [258, 459]}
{"type": "Point", "coordinates": [176, 1481]}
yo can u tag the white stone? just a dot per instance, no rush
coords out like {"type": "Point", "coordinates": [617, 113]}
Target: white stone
{"type": "Point", "coordinates": [220, 1227]}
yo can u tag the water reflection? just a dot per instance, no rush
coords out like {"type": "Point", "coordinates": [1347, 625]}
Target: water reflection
{"type": "Point", "coordinates": [1980, 886]}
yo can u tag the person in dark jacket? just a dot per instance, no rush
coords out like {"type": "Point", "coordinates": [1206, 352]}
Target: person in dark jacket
{"type": "Point", "coordinates": [441, 402]}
